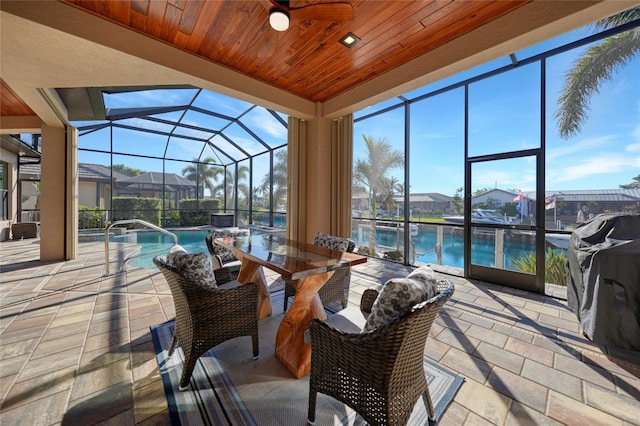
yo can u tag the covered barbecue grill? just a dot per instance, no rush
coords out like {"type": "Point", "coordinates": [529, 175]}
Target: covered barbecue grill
{"type": "Point", "coordinates": [603, 286]}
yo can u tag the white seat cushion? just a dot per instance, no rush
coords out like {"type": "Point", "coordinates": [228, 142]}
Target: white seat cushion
{"type": "Point", "coordinates": [349, 320]}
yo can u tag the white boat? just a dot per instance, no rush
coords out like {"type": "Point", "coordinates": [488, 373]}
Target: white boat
{"type": "Point", "coordinates": [558, 240]}
{"type": "Point", "coordinates": [480, 216]}
{"type": "Point", "coordinates": [413, 228]}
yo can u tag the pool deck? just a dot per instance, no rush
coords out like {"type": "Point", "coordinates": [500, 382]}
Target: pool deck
{"type": "Point", "coordinates": [75, 347]}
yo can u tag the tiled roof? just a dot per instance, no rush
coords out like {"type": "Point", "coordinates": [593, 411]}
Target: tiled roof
{"type": "Point", "coordinates": [603, 195]}
{"type": "Point", "coordinates": [156, 178]}
{"type": "Point", "coordinates": [94, 172]}
{"type": "Point", "coordinates": [425, 197]}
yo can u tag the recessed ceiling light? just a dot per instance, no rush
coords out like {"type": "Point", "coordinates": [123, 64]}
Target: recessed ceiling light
{"type": "Point", "coordinates": [349, 40]}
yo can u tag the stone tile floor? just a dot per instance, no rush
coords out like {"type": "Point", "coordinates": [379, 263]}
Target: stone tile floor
{"type": "Point", "coordinates": [75, 347]}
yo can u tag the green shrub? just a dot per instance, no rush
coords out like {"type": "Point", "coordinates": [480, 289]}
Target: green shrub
{"type": "Point", "coordinates": [395, 255]}
{"type": "Point", "coordinates": [194, 217]}
{"type": "Point", "coordinates": [147, 209]}
{"type": "Point", "coordinates": [195, 212]}
{"type": "Point", "coordinates": [90, 218]}
{"type": "Point", "coordinates": [365, 250]}
{"type": "Point", "coordinates": [171, 218]}
{"type": "Point", "coordinates": [555, 271]}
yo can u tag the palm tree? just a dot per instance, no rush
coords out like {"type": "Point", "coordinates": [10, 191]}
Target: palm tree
{"type": "Point", "coordinates": [202, 174]}
{"type": "Point", "coordinates": [633, 185]}
{"type": "Point", "coordinates": [243, 188]}
{"type": "Point", "coordinates": [228, 186]}
{"type": "Point", "coordinates": [390, 188]}
{"type": "Point", "coordinates": [279, 179]}
{"type": "Point", "coordinates": [369, 173]}
{"type": "Point", "coordinates": [596, 66]}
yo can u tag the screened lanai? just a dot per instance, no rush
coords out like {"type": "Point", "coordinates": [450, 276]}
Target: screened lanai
{"type": "Point", "coordinates": [497, 119]}
{"type": "Point", "coordinates": [231, 152]}
{"type": "Point", "coordinates": [239, 158]}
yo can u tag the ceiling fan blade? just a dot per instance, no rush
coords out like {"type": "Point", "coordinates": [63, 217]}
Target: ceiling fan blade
{"type": "Point", "coordinates": [268, 4]}
{"type": "Point", "coordinates": [324, 12]}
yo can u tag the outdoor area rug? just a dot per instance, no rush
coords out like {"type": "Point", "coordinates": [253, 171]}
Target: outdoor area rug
{"type": "Point", "coordinates": [229, 388]}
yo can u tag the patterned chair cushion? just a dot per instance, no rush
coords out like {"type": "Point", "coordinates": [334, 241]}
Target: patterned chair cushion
{"type": "Point", "coordinates": [173, 251]}
{"type": "Point", "coordinates": [196, 264]}
{"type": "Point", "coordinates": [226, 255]}
{"type": "Point", "coordinates": [332, 242]}
{"type": "Point", "coordinates": [400, 294]}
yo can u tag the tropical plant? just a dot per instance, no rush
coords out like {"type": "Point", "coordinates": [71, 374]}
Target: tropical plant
{"type": "Point", "coordinates": [457, 201]}
{"type": "Point", "coordinates": [227, 187]}
{"type": "Point", "coordinates": [390, 187]}
{"type": "Point", "coordinates": [370, 172]}
{"type": "Point", "coordinates": [279, 182]}
{"type": "Point", "coordinates": [242, 187]}
{"type": "Point", "coordinates": [203, 174]}
{"type": "Point", "coordinates": [555, 269]}
{"type": "Point", "coordinates": [90, 217]}
{"type": "Point", "coordinates": [595, 67]}
{"type": "Point", "coordinates": [129, 171]}
{"type": "Point", "coordinates": [36, 185]}
{"type": "Point", "coordinates": [633, 185]}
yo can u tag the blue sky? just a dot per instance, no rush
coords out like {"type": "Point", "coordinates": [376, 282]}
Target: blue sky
{"type": "Point", "coordinates": [504, 115]}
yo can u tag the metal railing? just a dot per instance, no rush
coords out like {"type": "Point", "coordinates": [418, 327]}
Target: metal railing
{"type": "Point", "coordinates": [135, 253]}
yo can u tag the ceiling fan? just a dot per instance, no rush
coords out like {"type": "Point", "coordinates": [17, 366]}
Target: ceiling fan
{"type": "Point", "coordinates": [280, 12]}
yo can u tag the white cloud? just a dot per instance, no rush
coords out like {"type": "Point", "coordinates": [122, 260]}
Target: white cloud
{"type": "Point", "coordinates": [523, 179]}
{"type": "Point", "coordinates": [261, 118]}
{"type": "Point", "coordinates": [583, 145]}
{"type": "Point", "coordinates": [634, 147]}
{"type": "Point", "coordinates": [436, 136]}
{"type": "Point", "coordinates": [596, 165]}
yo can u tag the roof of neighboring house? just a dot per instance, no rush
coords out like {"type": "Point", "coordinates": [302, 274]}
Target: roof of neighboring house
{"type": "Point", "coordinates": [86, 171]}
{"type": "Point", "coordinates": [156, 179]}
{"type": "Point", "coordinates": [425, 197]}
{"type": "Point", "coordinates": [100, 173]}
{"type": "Point", "coordinates": [596, 195]}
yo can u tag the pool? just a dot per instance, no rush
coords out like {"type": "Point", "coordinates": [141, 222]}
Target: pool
{"type": "Point", "coordinates": [154, 243]}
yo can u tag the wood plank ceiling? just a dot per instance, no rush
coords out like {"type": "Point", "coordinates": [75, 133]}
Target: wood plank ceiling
{"type": "Point", "coordinates": [307, 59]}
{"type": "Point", "coordinates": [10, 102]}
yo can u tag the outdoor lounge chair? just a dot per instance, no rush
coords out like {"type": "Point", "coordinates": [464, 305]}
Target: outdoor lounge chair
{"type": "Point", "coordinates": [225, 265]}
{"type": "Point", "coordinates": [206, 317]}
{"type": "Point", "coordinates": [23, 230]}
{"type": "Point", "coordinates": [337, 287]}
{"type": "Point", "coordinates": [378, 373]}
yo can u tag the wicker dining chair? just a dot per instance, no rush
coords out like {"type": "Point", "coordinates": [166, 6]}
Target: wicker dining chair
{"type": "Point", "coordinates": [336, 288]}
{"type": "Point", "coordinates": [226, 266]}
{"type": "Point", "coordinates": [206, 317]}
{"type": "Point", "coordinates": [380, 373]}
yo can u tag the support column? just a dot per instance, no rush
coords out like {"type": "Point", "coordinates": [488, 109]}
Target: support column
{"type": "Point", "coordinates": [58, 194]}
{"type": "Point", "coordinates": [318, 177]}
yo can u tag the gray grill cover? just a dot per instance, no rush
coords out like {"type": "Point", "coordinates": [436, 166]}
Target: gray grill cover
{"type": "Point", "coordinates": [603, 286]}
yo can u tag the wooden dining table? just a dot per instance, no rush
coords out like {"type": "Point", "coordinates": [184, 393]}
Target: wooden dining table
{"type": "Point", "coordinates": [308, 267]}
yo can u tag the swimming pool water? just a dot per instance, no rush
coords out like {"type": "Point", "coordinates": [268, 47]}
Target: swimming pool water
{"type": "Point", "coordinates": [154, 243]}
